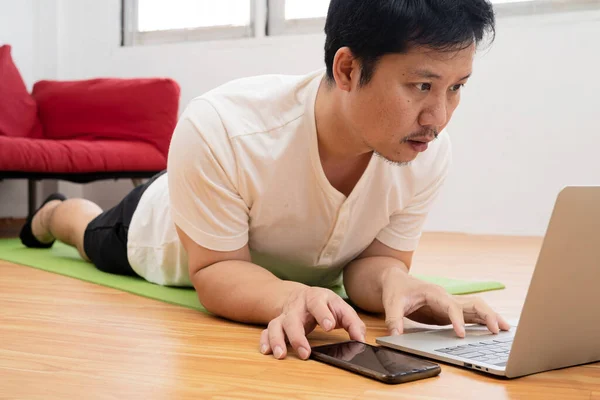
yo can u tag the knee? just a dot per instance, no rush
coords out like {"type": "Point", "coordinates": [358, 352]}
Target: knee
{"type": "Point", "coordinates": [73, 212]}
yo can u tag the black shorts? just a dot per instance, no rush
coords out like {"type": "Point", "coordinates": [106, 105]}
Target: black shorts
{"type": "Point", "coordinates": [105, 238]}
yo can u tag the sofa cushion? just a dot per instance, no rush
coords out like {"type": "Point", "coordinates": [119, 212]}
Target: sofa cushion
{"type": "Point", "coordinates": [117, 109]}
{"type": "Point", "coordinates": [18, 110]}
{"type": "Point", "coordinates": [78, 156]}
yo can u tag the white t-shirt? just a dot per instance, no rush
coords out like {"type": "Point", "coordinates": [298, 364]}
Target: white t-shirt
{"type": "Point", "coordinates": [244, 167]}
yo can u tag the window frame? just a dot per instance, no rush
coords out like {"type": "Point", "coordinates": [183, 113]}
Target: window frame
{"type": "Point", "coordinates": [267, 18]}
{"type": "Point", "coordinates": [278, 25]}
{"type": "Point", "coordinates": [544, 7]}
{"type": "Point", "coordinates": [132, 37]}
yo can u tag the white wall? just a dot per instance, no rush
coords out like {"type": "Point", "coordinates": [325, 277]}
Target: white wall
{"type": "Point", "coordinates": [525, 128]}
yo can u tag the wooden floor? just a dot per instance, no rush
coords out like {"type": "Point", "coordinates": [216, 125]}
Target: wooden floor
{"type": "Point", "coordinates": [65, 339]}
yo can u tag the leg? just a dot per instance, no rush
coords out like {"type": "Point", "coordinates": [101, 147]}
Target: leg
{"type": "Point", "coordinates": [65, 221]}
{"type": "Point", "coordinates": [99, 236]}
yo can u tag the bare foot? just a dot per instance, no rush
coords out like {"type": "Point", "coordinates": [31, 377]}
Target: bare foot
{"type": "Point", "coordinates": [40, 224]}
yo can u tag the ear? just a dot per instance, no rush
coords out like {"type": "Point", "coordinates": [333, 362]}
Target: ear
{"type": "Point", "coordinates": [346, 69]}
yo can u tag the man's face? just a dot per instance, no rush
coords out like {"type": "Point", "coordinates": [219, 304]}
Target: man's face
{"type": "Point", "coordinates": [409, 100]}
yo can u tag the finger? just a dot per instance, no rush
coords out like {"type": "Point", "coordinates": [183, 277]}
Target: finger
{"type": "Point", "coordinates": [478, 310]}
{"type": "Point", "coordinates": [394, 318]}
{"type": "Point", "coordinates": [348, 319]}
{"type": "Point", "coordinates": [264, 346]}
{"type": "Point", "coordinates": [277, 339]}
{"type": "Point", "coordinates": [442, 303]}
{"type": "Point", "coordinates": [294, 330]}
{"type": "Point", "coordinates": [455, 313]}
{"type": "Point", "coordinates": [317, 307]}
{"type": "Point", "coordinates": [502, 323]}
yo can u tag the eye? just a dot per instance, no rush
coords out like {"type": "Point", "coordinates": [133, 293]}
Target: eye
{"type": "Point", "coordinates": [423, 87]}
{"type": "Point", "coordinates": [457, 88]}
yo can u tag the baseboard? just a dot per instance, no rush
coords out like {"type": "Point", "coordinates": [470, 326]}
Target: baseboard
{"type": "Point", "coordinates": [10, 227]}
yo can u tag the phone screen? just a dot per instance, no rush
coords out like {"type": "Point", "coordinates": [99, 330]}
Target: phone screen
{"type": "Point", "coordinates": [379, 359]}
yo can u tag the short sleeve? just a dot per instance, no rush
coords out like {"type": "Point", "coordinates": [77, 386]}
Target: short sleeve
{"type": "Point", "coordinates": [202, 175]}
{"type": "Point", "coordinates": [404, 231]}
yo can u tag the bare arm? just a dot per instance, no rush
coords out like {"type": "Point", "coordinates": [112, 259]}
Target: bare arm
{"type": "Point", "coordinates": [364, 277]}
{"type": "Point", "coordinates": [230, 285]}
{"type": "Point", "coordinates": [378, 281]}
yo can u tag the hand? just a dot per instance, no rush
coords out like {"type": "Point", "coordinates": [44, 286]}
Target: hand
{"type": "Point", "coordinates": [302, 312]}
{"type": "Point", "coordinates": [431, 304]}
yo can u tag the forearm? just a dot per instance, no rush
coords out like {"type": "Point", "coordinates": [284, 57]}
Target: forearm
{"type": "Point", "coordinates": [242, 291]}
{"type": "Point", "coordinates": [365, 278]}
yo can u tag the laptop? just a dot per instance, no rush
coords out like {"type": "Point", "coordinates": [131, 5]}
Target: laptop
{"type": "Point", "coordinates": [559, 325]}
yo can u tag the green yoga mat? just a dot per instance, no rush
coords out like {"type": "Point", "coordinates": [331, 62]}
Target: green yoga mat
{"type": "Point", "coordinates": [65, 260]}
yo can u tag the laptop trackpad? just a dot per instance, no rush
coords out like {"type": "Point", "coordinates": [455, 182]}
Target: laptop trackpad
{"type": "Point", "coordinates": [475, 331]}
{"type": "Point", "coordinates": [446, 337]}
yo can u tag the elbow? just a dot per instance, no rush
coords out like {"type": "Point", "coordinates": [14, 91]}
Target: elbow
{"type": "Point", "coordinates": [205, 290]}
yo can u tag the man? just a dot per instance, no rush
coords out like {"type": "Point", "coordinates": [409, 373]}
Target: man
{"type": "Point", "coordinates": [279, 187]}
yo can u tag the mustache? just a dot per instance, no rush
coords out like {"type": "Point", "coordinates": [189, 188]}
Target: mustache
{"type": "Point", "coordinates": [422, 134]}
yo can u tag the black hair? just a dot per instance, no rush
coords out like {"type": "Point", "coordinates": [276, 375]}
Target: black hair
{"type": "Point", "coordinates": [374, 28]}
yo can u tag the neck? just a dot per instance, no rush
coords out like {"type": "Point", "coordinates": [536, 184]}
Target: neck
{"type": "Point", "coordinates": [337, 142]}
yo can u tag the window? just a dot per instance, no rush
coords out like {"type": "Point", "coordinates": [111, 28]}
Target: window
{"type": "Point", "coordinates": [303, 16]}
{"type": "Point", "coordinates": [296, 16]}
{"type": "Point", "coordinates": [162, 21]}
{"type": "Point", "coordinates": [303, 9]}
{"type": "Point", "coordinates": [511, 7]}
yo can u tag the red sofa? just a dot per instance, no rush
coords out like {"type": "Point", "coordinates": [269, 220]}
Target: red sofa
{"type": "Point", "coordinates": [83, 131]}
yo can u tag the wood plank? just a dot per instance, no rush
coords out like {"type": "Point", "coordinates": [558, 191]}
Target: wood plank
{"type": "Point", "coordinates": [63, 338]}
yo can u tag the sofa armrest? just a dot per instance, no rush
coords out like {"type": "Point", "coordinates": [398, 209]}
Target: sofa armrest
{"type": "Point", "coordinates": [108, 108]}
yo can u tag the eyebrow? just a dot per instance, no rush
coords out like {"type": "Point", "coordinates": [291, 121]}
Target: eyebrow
{"type": "Point", "coordinates": [425, 73]}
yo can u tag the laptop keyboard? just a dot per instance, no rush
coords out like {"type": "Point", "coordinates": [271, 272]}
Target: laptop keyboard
{"type": "Point", "coordinates": [493, 352]}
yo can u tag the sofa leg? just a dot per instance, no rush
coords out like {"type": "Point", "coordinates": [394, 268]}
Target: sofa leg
{"type": "Point", "coordinates": [31, 195]}
{"type": "Point", "coordinates": [137, 181]}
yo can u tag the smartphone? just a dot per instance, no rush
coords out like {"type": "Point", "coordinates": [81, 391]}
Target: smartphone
{"type": "Point", "coordinates": [381, 363]}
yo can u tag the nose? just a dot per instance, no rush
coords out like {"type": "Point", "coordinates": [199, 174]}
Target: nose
{"type": "Point", "coordinates": [435, 113]}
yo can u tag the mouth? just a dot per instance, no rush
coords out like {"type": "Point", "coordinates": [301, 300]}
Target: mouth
{"type": "Point", "coordinates": [419, 145]}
